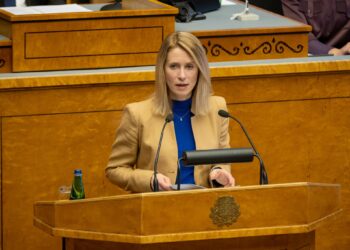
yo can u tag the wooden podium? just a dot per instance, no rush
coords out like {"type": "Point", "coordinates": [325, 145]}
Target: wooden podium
{"type": "Point", "coordinates": [280, 216]}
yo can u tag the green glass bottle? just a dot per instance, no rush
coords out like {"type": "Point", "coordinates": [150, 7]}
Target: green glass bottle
{"type": "Point", "coordinates": [77, 191]}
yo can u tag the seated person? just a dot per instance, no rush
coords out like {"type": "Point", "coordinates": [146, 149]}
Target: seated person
{"type": "Point", "coordinates": [182, 88]}
{"type": "Point", "coordinates": [330, 21]}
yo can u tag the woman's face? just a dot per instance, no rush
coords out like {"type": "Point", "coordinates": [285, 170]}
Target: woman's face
{"type": "Point", "coordinates": [181, 74]}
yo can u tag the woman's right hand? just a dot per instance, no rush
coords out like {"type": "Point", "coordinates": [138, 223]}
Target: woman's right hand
{"type": "Point", "coordinates": [164, 182]}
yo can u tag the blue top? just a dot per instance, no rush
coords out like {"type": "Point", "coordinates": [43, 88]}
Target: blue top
{"type": "Point", "coordinates": [8, 3]}
{"type": "Point", "coordinates": [184, 136]}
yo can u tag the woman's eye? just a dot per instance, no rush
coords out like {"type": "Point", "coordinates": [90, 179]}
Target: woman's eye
{"type": "Point", "coordinates": [190, 66]}
{"type": "Point", "coordinates": [173, 66]}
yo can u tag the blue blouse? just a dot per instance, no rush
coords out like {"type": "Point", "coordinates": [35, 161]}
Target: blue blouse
{"type": "Point", "coordinates": [184, 136]}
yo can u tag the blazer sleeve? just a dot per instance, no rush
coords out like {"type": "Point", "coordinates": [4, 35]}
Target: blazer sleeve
{"type": "Point", "coordinates": [224, 136]}
{"type": "Point", "coordinates": [121, 168]}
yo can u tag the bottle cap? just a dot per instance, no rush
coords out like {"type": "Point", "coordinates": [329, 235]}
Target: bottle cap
{"type": "Point", "coordinates": [77, 171]}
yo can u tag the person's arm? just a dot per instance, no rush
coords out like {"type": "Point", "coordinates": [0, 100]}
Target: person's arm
{"type": "Point", "coordinates": [318, 48]}
{"type": "Point", "coordinates": [121, 169]}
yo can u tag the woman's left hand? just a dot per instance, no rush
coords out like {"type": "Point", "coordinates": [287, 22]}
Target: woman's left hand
{"type": "Point", "coordinates": [223, 177]}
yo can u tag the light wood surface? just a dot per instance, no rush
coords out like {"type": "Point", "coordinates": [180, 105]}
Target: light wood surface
{"type": "Point", "coordinates": [54, 122]}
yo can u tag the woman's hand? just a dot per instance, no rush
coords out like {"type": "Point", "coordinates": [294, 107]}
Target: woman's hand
{"type": "Point", "coordinates": [222, 176]}
{"type": "Point", "coordinates": [164, 182]}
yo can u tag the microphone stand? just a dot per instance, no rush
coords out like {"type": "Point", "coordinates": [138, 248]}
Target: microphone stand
{"type": "Point", "coordinates": [246, 15]}
{"type": "Point", "coordinates": [178, 176]}
{"type": "Point", "coordinates": [263, 174]}
{"type": "Point", "coordinates": [117, 5]}
{"type": "Point", "coordinates": [168, 119]}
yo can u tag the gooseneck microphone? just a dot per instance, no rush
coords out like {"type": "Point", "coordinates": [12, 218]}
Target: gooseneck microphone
{"type": "Point", "coordinates": [215, 156]}
{"type": "Point", "coordinates": [168, 118]}
{"type": "Point", "coordinates": [263, 174]}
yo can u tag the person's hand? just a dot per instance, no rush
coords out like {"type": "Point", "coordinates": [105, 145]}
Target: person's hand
{"type": "Point", "coordinates": [345, 50]}
{"type": "Point", "coordinates": [164, 182]}
{"type": "Point", "coordinates": [223, 177]}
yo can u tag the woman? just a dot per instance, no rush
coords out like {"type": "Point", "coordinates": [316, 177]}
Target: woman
{"type": "Point", "coordinates": [183, 88]}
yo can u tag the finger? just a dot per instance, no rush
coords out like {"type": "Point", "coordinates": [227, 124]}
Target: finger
{"type": "Point", "coordinates": [226, 179]}
{"type": "Point", "coordinates": [213, 175]}
{"type": "Point", "coordinates": [231, 182]}
{"type": "Point", "coordinates": [165, 187]}
{"type": "Point", "coordinates": [164, 183]}
{"type": "Point", "coordinates": [222, 179]}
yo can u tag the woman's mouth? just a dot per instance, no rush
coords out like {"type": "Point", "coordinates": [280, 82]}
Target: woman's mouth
{"type": "Point", "coordinates": [181, 85]}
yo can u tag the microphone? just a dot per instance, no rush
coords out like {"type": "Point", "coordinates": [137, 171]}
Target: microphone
{"type": "Point", "coordinates": [168, 118]}
{"type": "Point", "coordinates": [214, 156]}
{"type": "Point", "coordinates": [263, 173]}
{"type": "Point", "coordinates": [117, 5]}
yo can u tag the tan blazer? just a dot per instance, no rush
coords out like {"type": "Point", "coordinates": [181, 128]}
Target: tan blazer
{"type": "Point", "coordinates": [131, 162]}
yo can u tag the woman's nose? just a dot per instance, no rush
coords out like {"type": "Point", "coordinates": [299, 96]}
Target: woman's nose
{"type": "Point", "coordinates": [182, 73]}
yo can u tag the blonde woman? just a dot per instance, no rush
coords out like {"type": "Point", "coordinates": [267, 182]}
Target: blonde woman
{"type": "Point", "coordinates": [183, 89]}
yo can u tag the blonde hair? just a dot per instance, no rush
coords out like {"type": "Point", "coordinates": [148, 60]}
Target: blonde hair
{"type": "Point", "coordinates": [202, 90]}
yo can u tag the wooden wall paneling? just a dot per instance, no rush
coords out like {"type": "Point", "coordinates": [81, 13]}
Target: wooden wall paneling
{"type": "Point", "coordinates": [5, 59]}
{"type": "Point", "coordinates": [279, 115]}
{"type": "Point", "coordinates": [71, 99]}
{"type": "Point", "coordinates": [299, 123]}
{"type": "Point", "coordinates": [40, 153]}
{"type": "Point", "coordinates": [295, 113]}
{"type": "Point", "coordinates": [62, 129]}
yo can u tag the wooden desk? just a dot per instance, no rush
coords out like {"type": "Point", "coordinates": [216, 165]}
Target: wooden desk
{"type": "Point", "coordinates": [272, 36]}
{"type": "Point", "coordinates": [97, 39]}
{"type": "Point", "coordinates": [132, 37]}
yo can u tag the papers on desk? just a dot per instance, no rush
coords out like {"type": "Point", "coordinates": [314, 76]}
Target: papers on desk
{"type": "Point", "coordinates": [187, 187]}
{"type": "Point", "coordinates": [227, 2]}
{"type": "Point", "coordinates": [46, 9]}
